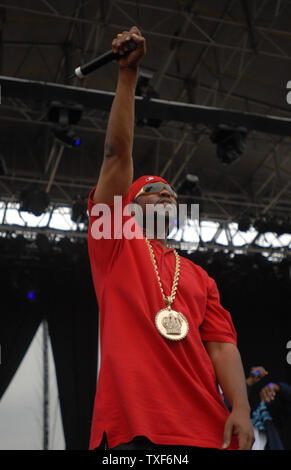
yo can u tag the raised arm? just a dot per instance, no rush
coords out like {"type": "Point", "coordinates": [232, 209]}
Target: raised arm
{"type": "Point", "coordinates": [116, 173]}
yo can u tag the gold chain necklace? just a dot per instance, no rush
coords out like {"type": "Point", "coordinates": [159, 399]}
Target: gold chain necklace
{"type": "Point", "coordinates": [171, 324]}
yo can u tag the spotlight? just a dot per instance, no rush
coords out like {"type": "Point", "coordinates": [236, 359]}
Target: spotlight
{"type": "Point", "coordinates": [79, 210]}
{"type": "Point", "coordinates": [67, 137]}
{"type": "Point", "coordinates": [272, 224]}
{"type": "Point", "coordinates": [31, 295]}
{"type": "Point", "coordinates": [263, 225]}
{"type": "Point", "coordinates": [244, 224]}
{"type": "Point", "coordinates": [65, 115]}
{"type": "Point", "coordinates": [283, 226]}
{"type": "Point", "coordinates": [231, 142]}
{"type": "Point", "coordinates": [144, 89]}
{"type": "Point", "coordinates": [189, 186]}
{"type": "Point", "coordinates": [143, 82]}
{"type": "Point", "coordinates": [34, 200]}
{"type": "Point", "coordinates": [3, 167]}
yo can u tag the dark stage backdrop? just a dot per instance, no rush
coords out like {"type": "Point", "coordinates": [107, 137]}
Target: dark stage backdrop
{"type": "Point", "coordinates": [65, 298]}
{"type": "Point", "coordinates": [256, 293]}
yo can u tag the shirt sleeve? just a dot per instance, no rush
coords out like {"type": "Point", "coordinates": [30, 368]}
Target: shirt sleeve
{"type": "Point", "coordinates": [217, 324]}
{"type": "Point", "coordinates": [105, 233]}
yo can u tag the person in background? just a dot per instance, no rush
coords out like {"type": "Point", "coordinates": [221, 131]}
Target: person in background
{"type": "Point", "coordinates": [272, 417]}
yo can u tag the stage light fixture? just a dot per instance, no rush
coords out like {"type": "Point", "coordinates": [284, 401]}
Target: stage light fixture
{"type": "Point", "coordinates": [244, 224]}
{"type": "Point", "coordinates": [283, 226]}
{"type": "Point", "coordinates": [67, 137]}
{"type": "Point", "coordinates": [3, 167]}
{"type": "Point", "coordinates": [272, 224]}
{"type": "Point", "coordinates": [31, 295]}
{"type": "Point", "coordinates": [263, 225]}
{"type": "Point", "coordinates": [65, 115]}
{"type": "Point", "coordinates": [143, 82]}
{"type": "Point", "coordinates": [190, 186]}
{"type": "Point", "coordinates": [230, 142]}
{"type": "Point", "coordinates": [34, 200]}
{"type": "Point", "coordinates": [146, 90]}
{"type": "Point", "coordinates": [79, 210]}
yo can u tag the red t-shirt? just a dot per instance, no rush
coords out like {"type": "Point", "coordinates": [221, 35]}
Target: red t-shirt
{"type": "Point", "coordinates": [149, 385]}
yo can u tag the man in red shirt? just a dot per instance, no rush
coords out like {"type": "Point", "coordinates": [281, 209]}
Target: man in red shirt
{"type": "Point", "coordinates": [165, 340]}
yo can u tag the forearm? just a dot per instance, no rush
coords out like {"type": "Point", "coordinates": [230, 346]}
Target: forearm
{"type": "Point", "coordinates": [229, 372]}
{"type": "Point", "coordinates": [116, 173]}
{"type": "Point", "coordinates": [120, 128]}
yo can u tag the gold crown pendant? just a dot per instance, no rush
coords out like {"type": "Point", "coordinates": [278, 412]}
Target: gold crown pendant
{"type": "Point", "coordinates": [171, 324]}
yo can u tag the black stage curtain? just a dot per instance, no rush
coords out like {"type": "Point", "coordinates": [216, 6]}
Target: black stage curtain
{"type": "Point", "coordinates": [18, 327]}
{"type": "Point", "coordinates": [65, 298]}
{"type": "Point", "coordinates": [256, 292]}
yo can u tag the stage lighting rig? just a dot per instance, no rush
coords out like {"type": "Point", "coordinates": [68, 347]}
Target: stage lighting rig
{"type": "Point", "coordinates": [272, 224]}
{"type": "Point", "coordinates": [67, 137]}
{"type": "Point", "coordinates": [65, 115]}
{"type": "Point", "coordinates": [34, 200]}
{"type": "Point", "coordinates": [190, 186]}
{"type": "Point", "coordinates": [244, 223]}
{"type": "Point", "coordinates": [283, 226]}
{"type": "Point", "coordinates": [146, 90]}
{"type": "Point", "coordinates": [3, 167]}
{"type": "Point", "coordinates": [230, 142]}
{"type": "Point", "coordinates": [79, 210]}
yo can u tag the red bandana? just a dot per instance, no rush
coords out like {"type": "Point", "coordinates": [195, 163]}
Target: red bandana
{"type": "Point", "coordinates": [141, 182]}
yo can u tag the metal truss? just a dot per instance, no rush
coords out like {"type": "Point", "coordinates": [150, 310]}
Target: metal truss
{"type": "Point", "coordinates": [276, 254]}
{"type": "Point", "coordinates": [74, 18]}
{"type": "Point", "coordinates": [242, 70]}
{"type": "Point", "coordinates": [222, 201]}
{"type": "Point", "coordinates": [155, 108]}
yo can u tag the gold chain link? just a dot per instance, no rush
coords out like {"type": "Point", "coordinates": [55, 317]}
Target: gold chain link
{"type": "Point", "coordinates": [168, 299]}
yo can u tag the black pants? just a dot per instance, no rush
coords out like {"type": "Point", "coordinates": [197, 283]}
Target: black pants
{"type": "Point", "coordinates": [143, 443]}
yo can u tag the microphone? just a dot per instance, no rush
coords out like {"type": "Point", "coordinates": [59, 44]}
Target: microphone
{"type": "Point", "coordinates": [103, 59]}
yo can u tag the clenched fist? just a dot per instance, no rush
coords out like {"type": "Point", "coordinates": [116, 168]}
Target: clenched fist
{"type": "Point", "coordinates": [120, 46]}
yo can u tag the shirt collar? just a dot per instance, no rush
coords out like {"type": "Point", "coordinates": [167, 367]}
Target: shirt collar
{"type": "Point", "coordinates": [159, 245]}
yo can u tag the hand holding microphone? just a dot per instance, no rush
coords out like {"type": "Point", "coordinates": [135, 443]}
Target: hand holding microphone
{"type": "Point", "coordinates": [128, 48]}
{"type": "Point", "coordinates": [128, 58]}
